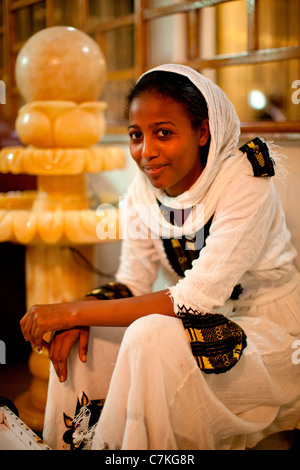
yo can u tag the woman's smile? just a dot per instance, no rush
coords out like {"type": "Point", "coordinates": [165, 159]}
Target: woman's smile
{"type": "Point", "coordinates": [154, 170]}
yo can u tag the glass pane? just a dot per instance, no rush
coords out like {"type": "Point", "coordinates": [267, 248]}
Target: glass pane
{"type": "Point", "coordinates": [100, 10]}
{"type": "Point", "coordinates": [279, 23]}
{"type": "Point", "coordinates": [167, 40]}
{"type": "Point", "coordinates": [263, 91]}
{"type": "Point", "coordinates": [67, 13]}
{"type": "Point", "coordinates": [114, 95]}
{"type": "Point", "coordinates": [1, 12]}
{"type": "Point", "coordinates": [1, 56]}
{"type": "Point", "coordinates": [117, 44]}
{"type": "Point", "coordinates": [29, 21]}
{"type": "Point", "coordinates": [231, 27]}
{"type": "Point", "coordinates": [119, 48]}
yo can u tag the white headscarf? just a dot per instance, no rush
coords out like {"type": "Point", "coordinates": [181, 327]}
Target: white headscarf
{"type": "Point", "coordinates": [221, 164]}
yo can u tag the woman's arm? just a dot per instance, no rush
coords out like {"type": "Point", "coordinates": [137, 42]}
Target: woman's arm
{"type": "Point", "coordinates": [117, 312]}
{"type": "Point", "coordinates": [241, 233]}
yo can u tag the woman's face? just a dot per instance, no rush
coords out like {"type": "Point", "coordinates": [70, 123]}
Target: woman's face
{"type": "Point", "coordinates": [164, 144]}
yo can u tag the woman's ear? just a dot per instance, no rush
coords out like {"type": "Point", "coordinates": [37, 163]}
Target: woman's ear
{"type": "Point", "coordinates": [204, 132]}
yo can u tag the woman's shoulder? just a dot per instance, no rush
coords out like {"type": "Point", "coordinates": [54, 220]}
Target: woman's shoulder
{"type": "Point", "coordinates": [246, 191]}
{"type": "Point", "coordinates": [247, 181]}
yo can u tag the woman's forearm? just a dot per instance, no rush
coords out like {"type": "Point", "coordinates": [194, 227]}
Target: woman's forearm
{"type": "Point", "coordinates": [117, 312]}
{"type": "Point", "coordinates": [121, 312]}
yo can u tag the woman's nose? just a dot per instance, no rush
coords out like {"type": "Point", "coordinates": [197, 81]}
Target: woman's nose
{"type": "Point", "coordinates": [149, 149]}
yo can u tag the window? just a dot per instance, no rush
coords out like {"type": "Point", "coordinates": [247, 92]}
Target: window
{"type": "Point", "coordinates": [250, 48]}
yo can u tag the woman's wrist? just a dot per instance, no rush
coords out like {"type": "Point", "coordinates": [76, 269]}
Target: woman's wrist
{"type": "Point", "coordinates": [78, 313]}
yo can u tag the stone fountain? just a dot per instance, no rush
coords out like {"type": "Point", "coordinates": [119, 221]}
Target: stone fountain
{"type": "Point", "coordinates": [60, 73]}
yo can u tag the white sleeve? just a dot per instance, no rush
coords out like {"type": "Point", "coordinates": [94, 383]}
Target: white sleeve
{"type": "Point", "coordinates": [139, 262]}
{"type": "Point", "coordinates": [237, 237]}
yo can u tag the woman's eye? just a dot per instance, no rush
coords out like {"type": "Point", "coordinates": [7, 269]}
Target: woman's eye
{"type": "Point", "coordinates": [135, 135]}
{"type": "Point", "coordinates": [164, 133]}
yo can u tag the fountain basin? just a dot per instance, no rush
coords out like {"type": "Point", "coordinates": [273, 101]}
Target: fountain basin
{"type": "Point", "coordinates": [60, 161]}
{"type": "Point", "coordinates": [20, 223]}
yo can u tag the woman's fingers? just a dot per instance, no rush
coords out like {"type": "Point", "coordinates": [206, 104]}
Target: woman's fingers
{"type": "Point", "coordinates": [25, 324]}
{"type": "Point", "coordinates": [43, 318]}
{"type": "Point", "coordinates": [83, 343]}
{"type": "Point", "coordinates": [60, 347]}
{"type": "Point", "coordinates": [30, 327]}
{"type": "Point", "coordinates": [59, 350]}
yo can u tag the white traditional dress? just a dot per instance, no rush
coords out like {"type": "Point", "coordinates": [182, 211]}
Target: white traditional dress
{"type": "Point", "coordinates": [156, 395]}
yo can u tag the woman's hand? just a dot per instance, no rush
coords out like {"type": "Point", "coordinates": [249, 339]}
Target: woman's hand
{"type": "Point", "coordinates": [60, 346]}
{"type": "Point", "coordinates": [43, 318]}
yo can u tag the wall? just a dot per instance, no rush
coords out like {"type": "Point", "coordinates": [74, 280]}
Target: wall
{"type": "Point", "coordinates": [290, 190]}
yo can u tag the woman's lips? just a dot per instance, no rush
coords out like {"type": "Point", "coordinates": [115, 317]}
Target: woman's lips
{"type": "Point", "coordinates": [154, 170]}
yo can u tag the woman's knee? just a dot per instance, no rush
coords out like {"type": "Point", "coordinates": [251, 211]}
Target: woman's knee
{"type": "Point", "coordinates": [151, 328]}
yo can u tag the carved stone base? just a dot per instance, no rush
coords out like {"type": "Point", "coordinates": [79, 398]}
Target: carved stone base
{"type": "Point", "coordinates": [53, 275]}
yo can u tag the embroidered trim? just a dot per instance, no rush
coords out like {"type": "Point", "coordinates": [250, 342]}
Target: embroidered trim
{"type": "Point", "coordinates": [112, 290]}
{"type": "Point", "coordinates": [181, 252]}
{"type": "Point", "coordinates": [179, 258]}
{"type": "Point", "coordinates": [259, 157]}
{"type": "Point", "coordinates": [183, 310]}
{"type": "Point", "coordinates": [217, 343]}
{"type": "Point", "coordinates": [81, 427]}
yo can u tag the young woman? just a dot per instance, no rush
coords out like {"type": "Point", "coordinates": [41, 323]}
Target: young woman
{"type": "Point", "coordinates": [207, 362]}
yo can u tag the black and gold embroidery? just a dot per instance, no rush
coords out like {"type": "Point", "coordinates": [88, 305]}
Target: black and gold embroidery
{"type": "Point", "coordinates": [181, 252]}
{"type": "Point", "coordinates": [217, 343]}
{"type": "Point", "coordinates": [112, 290]}
{"type": "Point", "coordinates": [180, 258]}
{"type": "Point", "coordinates": [237, 290]}
{"type": "Point", "coordinates": [259, 157]}
{"type": "Point", "coordinates": [92, 409]}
